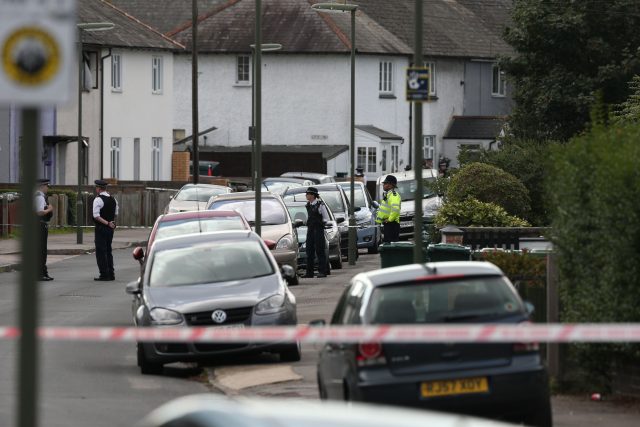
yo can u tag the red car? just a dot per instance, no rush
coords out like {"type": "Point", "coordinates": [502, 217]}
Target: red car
{"type": "Point", "coordinates": [192, 222]}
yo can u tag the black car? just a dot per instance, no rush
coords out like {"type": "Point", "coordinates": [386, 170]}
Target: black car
{"type": "Point", "coordinates": [498, 380]}
{"type": "Point", "coordinates": [335, 198]}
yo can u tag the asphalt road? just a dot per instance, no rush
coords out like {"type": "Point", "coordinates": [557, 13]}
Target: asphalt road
{"type": "Point", "coordinates": [100, 385]}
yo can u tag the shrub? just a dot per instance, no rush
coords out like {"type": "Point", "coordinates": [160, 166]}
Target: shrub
{"type": "Point", "coordinates": [492, 185]}
{"type": "Point", "coordinates": [594, 188]}
{"type": "Point", "coordinates": [474, 213]}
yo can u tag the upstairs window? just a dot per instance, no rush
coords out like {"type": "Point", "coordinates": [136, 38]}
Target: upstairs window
{"type": "Point", "coordinates": [499, 85]}
{"type": "Point", "coordinates": [243, 67]}
{"type": "Point", "coordinates": [385, 85]}
{"type": "Point", "coordinates": [116, 72]}
{"type": "Point", "coordinates": [432, 77]}
{"type": "Point", "coordinates": [156, 74]}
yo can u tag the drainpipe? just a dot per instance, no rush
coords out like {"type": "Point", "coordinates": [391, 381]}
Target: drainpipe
{"type": "Point", "coordinates": [102, 58]}
{"type": "Point", "coordinates": [410, 133]}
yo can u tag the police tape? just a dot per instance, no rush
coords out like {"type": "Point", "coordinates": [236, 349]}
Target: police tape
{"type": "Point", "coordinates": [434, 333]}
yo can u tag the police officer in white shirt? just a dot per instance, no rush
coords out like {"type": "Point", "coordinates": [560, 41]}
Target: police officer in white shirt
{"type": "Point", "coordinates": [44, 212]}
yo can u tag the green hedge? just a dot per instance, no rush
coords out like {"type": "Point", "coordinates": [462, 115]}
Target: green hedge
{"type": "Point", "coordinates": [594, 189]}
{"type": "Point", "coordinates": [474, 213]}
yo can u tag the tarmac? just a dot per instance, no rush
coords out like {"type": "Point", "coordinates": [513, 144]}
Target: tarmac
{"type": "Point", "coordinates": [62, 246]}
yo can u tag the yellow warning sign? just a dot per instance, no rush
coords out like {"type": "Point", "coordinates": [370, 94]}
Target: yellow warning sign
{"type": "Point", "coordinates": [30, 56]}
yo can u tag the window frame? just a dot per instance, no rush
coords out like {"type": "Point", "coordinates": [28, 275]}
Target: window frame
{"type": "Point", "coordinates": [116, 72]}
{"type": "Point", "coordinates": [501, 90]}
{"type": "Point", "coordinates": [156, 158]}
{"type": "Point", "coordinates": [385, 77]}
{"type": "Point", "coordinates": [368, 161]}
{"type": "Point", "coordinates": [157, 75]}
{"type": "Point", "coordinates": [432, 77]}
{"type": "Point", "coordinates": [116, 142]}
{"type": "Point", "coordinates": [429, 147]}
{"type": "Point", "coordinates": [240, 73]}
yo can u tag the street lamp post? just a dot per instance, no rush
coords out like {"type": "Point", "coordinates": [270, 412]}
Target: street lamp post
{"type": "Point", "coordinates": [351, 8]}
{"type": "Point", "coordinates": [88, 26]}
{"type": "Point", "coordinates": [265, 47]}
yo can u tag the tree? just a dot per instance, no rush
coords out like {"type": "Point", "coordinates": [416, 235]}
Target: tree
{"type": "Point", "coordinates": [565, 51]}
{"type": "Point", "coordinates": [629, 110]}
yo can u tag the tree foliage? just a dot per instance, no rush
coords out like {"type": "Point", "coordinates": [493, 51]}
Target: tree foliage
{"type": "Point", "coordinates": [565, 51]}
{"type": "Point", "coordinates": [594, 190]}
{"type": "Point", "coordinates": [629, 110]}
{"type": "Point", "coordinates": [474, 213]}
{"type": "Point", "coordinates": [490, 184]}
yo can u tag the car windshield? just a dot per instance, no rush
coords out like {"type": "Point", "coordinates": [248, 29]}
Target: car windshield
{"type": "Point", "coordinates": [359, 193]}
{"type": "Point", "coordinates": [280, 186]}
{"type": "Point", "coordinates": [198, 194]}
{"type": "Point", "coordinates": [198, 225]}
{"type": "Point", "coordinates": [470, 300]}
{"type": "Point", "coordinates": [332, 198]}
{"type": "Point", "coordinates": [407, 189]}
{"type": "Point", "coordinates": [272, 211]}
{"type": "Point", "coordinates": [211, 263]}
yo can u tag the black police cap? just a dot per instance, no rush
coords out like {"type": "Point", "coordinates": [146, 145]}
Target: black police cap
{"type": "Point", "coordinates": [101, 183]}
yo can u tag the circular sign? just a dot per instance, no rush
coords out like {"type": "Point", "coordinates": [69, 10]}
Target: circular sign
{"type": "Point", "coordinates": [30, 56]}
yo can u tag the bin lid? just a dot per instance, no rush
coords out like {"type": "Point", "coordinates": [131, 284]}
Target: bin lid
{"type": "Point", "coordinates": [448, 247]}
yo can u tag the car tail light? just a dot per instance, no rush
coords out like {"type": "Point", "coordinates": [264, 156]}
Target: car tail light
{"type": "Point", "coordinates": [526, 347]}
{"type": "Point", "coordinates": [370, 354]}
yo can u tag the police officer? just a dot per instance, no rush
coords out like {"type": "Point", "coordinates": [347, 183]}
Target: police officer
{"type": "Point", "coordinates": [317, 216]}
{"type": "Point", "coordinates": [44, 212]}
{"type": "Point", "coordinates": [389, 210]}
{"type": "Point", "coordinates": [105, 210]}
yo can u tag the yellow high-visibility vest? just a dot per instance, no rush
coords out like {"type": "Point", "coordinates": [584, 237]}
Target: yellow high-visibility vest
{"type": "Point", "coordinates": [389, 207]}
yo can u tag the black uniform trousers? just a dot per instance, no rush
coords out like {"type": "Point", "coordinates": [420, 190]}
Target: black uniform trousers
{"type": "Point", "coordinates": [316, 245]}
{"type": "Point", "coordinates": [391, 231]}
{"type": "Point", "coordinates": [104, 257]}
{"type": "Point", "coordinates": [44, 236]}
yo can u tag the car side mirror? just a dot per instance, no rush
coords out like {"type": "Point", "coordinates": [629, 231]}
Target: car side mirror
{"type": "Point", "coordinates": [339, 220]}
{"type": "Point", "coordinates": [287, 271]}
{"type": "Point", "coordinates": [298, 223]}
{"type": "Point", "coordinates": [138, 254]}
{"type": "Point", "coordinates": [133, 288]}
{"type": "Point", "coordinates": [529, 308]}
{"type": "Point", "coordinates": [270, 244]}
{"type": "Point", "coordinates": [317, 323]}
{"type": "Point", "coordinates": [375, 204]}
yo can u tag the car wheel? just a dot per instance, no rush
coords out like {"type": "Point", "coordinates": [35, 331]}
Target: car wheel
{"type": "Point", "coordinates": [540, 415]}
{"type": "Point", "coordinates": [291, 354]}
{"type": "Point", "coordinates": [146, 367]}
{"type": "Point", "coordinates": [293, 281]}
{"type": "Point", "coordinates": [321, 389]}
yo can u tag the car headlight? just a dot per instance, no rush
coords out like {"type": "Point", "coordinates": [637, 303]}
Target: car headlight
{"type": "Point", "coordinates": [162, 316]}
{"type": "Point", "coordinates": [272, 304]}
{"type": "Point", "coordinates": [285, 242]}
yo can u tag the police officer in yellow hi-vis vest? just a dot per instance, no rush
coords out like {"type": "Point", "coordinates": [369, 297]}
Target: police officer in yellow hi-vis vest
{"type": "Point", "coordinates": [389, 210]}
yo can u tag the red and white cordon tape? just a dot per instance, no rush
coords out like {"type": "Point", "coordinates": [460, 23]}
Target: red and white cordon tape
{"type": "Point", "coordinates": [560, 333]}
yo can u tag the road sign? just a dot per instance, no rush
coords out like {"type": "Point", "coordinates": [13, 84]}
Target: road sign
{"type": "Point", "coordinates": [417, 84]}
{"type": "Point", "coordinates": [37, 55]}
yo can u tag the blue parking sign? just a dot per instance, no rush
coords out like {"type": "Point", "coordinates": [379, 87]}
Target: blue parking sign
{"type": "Point", "coordinates": [417, 84]}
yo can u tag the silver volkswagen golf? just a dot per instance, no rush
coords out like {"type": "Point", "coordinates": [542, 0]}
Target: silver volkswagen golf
{"type": "Point", "coordinates": [226, 279]}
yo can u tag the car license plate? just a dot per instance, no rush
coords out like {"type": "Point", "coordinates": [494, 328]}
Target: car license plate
{"type": "Point", "coordinates": [405, 224]}
{"type": "Point", "coordinates": [230, 326]}
{"type": "Point", "coordinates": [453, 387]}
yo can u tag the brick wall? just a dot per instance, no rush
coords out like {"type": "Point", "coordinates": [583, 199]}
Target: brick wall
{"type": "Point", "coordinates": [180, 166]}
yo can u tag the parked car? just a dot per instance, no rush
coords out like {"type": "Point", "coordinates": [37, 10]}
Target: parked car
{"type": "Point", "coordinates": [276, 223]}
{"type": "Point", "coordinates": [334, 197]}
{"type": "Point", "coordinates": [227, 279]}
{"type": "Point", "coordinates": [365, 210]}
{"type": "Point", "coordinates": [407, 184]}
{"type": "Point", "coordinates": [298, 211]}
{"type": "Point", "coordinates": [210, 410]}
{"type": "Point", "coordinates": [279, 185]}
{"type": "Point", "coordinates": [316, 178]}
{"type": "Point", "coordinates": [192, 222]}
{"type": "Point", "coordinates": [501, 380]}
{"type": "Point", "coordinates": [193, 197]}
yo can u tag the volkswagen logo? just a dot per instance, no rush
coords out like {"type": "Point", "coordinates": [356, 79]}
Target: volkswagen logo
{"type": "Point", "coordinates": [219, 316]}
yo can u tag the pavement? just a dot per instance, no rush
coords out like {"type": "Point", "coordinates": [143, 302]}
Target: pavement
{"type": "Point", "coordinates": [62, 246]}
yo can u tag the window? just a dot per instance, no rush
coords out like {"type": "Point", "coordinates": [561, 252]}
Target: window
{"type": "Point", "coordinates": [136, 159]}
{"type": "Point", "coordinates": [156, 150]}
{"type": "Point", "coordinates": [243, 74]}
{"type": "Point", "coordinates": [395, 158]}
{"type": "Point", "coordinates": [428, 146]}
{"type": "Point", "coordinates": [156, 72]}
{"type": "Point", "coordinates": [499, 85]}
{"type": "Point", "coordinates": [367, 158]}
{"type": "Point", "coordinates": [90, 70]}
{"type": "Point", "coordinates": [432, 77]}
{"type": "Point", "coordinates": [115, 158]}
{"type": "Point", "coordinates": [116, 72]}
{"type": "Point", "coordinates": [385, 85]}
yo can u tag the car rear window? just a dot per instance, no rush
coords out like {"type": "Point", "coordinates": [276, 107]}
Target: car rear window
{"type": "Point", "coordinates": [273, 213]}
{"type": "Point", "coordinates": [407, 189]}
{"type": "Point", "coordinates": [168, 229]}
{"type": "Point", "coordinates": [198, 194]}
{"type": "Point", "coordinates": [359, 193]}
{"type": "Point", "coordinates": [211, 263]}
{"type": "Point", "coordinates": [471, 300]}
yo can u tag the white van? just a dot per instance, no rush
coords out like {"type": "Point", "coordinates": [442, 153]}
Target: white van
{"type": "Point", "coordinates": [431, 202]}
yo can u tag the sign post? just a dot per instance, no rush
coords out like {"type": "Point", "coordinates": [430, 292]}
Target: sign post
{"type": "Point", "coordinates": [36, 59]}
